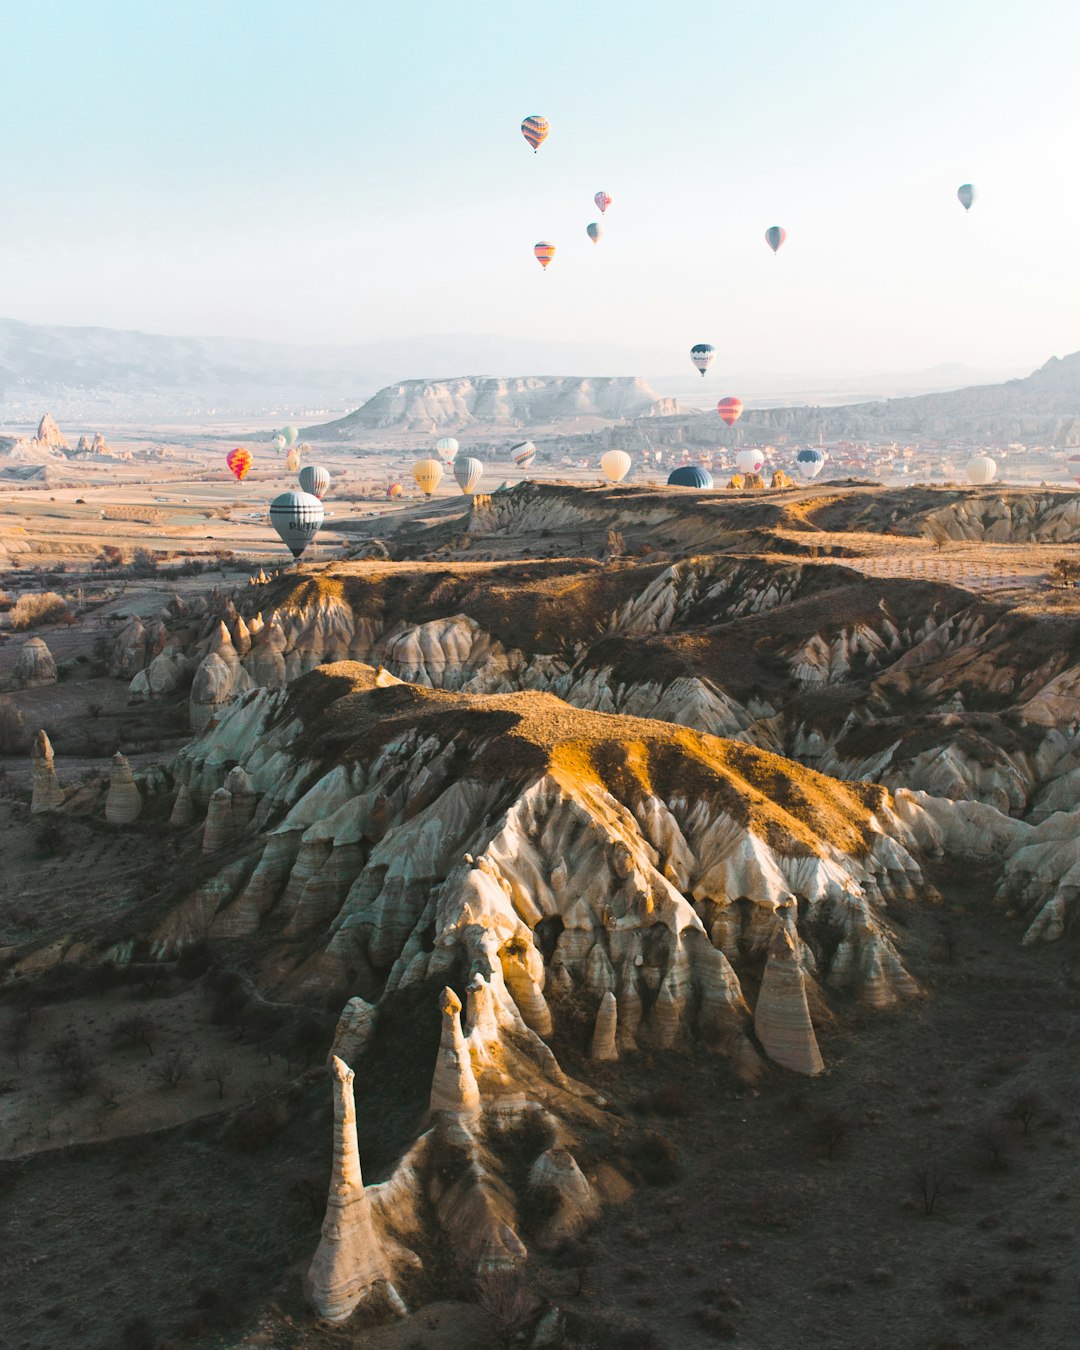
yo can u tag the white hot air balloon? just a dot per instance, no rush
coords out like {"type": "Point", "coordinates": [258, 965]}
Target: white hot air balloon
{"type": "Point", "coordinates": [981, 469]}
{"type": "Point", "coordinates": [616, 464]}
{"type": "Point", "coordinates": [315, 479]}
{"type": "Point", "coordinates": [297, 517]}
{"type": "Point", "coordinates": [468, 472]}
{"type": "Point", "coordinates": [749, 461]}
{"type": "Point", "coordinates": [446, 447]}
{"type": "Point", "coordinates": [810, 462]}
{"type": "Point", "coordinates": [523, 454]}
{"type": "Point", "coordinates": [428, 474]}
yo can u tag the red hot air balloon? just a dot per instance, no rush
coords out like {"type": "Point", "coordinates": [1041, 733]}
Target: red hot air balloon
{"type": "Point", "coordinates": [775, 236]}
{"type": "Point", "coordinates": [239, 461]}
{"type": "Point", "coordinates": [535, 130]}
{"type": "Point", "coordinates": [603, 201]}
{"type": "Point", "coordinates": [544, 253]}
{"type": "Point", "coordinates": [730, 409]}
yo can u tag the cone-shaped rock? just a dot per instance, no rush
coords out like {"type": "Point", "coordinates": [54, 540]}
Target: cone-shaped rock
{"type": "Point", "coordinates": [782, 1017]}
{"type": "Point", "coordinates": [219, 821]}
{"type": "Point", "coordinates": [34, 665]}
{"type": "Point", "coordinates": [48, 795]}
{"type": "Point", "coordinates": [183, 812]}
{"type": "Point", "coordinates": [604, 1045]}
{"type": "Point", "coordinates": [124, 801]}
{"type": "Point", "coordinates": [350, 1260]}
{"type": "Point", "coordinates": [453, 1086]}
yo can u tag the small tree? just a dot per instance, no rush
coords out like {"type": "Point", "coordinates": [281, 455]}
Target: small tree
{"type": "Point", "coordinates": [14, 737]}
{"type": "Point", "coordinates": [1023, 1110]}
{"type": "Point", "coordinates": [137, 1030]}
{"type": "Point", "coordinates": [928, 1180]}
{"type": "Point", "coordinates": [217, 1071]}
{"type": "Point", "coordinates": [174, 1068]}
{"type": "Point", "coordinates": [830, 1131]}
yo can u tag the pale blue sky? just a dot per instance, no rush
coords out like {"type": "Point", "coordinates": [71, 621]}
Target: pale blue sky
{"type": "Point", "coordinates": [342, 170]}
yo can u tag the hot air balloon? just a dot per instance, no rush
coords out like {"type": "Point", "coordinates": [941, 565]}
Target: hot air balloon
{"type": "Point", "coordinates": [603, 201]}
{"type": "Point", "coordinates": [239, 461]}
{"type": "Point", "coordinates": [277, 440]}
{"type": "Point", "coordinates": [394, 490]}
{"type": "Point", "coordinates": [446, 447]}
{"type": "Point", "coordinates": [296, 516]}
{"type": "Point", "coordinates": [616, 464]}
{"type": "Point", "coordinates": [701, 354]}
{"type": "Point", "coordinates": [981, 469]}
{"type": "Point", "coordinates": [691, 476]}
{"type": "Point", "coordinates": [749, 461]}
{"type": "Point", "coordinates": [315, 479]}
{"type": "Point", "coordinates": [428, 474]}
{"type": "Point", "coordinates": [304, 448]}
{"type": "Point", "coordinates": [966, 193]}
{"type": "Point", "coordinates": [468, 473]}
{"type": "Point", "coordinates": [544, 253]}
{"type": "Point", "coordinates": [775, 236]}
{"type": "Point", "coordinates": [523, 454]}
{"type": "Point", "coordinates": [292, 459]}
{"type": "Point", "coordinates": [730, 409]}
{"type": "Point", "coordinates": [810, 462]}
{"type": "Point", "coordinates": [595, 231]}
{"type": "Point", "coordinates": [291, 435]}
{"type": "Point", "coordinates": [535, 130]}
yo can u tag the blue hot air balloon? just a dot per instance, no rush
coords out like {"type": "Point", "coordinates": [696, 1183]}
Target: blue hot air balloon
{"type": "Point", "coordinates": [810, 462]}
{"type": "Point", "coordinates": [691, 476]}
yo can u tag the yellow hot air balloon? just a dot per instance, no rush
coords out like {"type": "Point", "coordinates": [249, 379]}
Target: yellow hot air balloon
{"type": "Point", "coordinates": [292, 459]}
{"type": "Point", "coordinates": [616, 464]}
{"type": "Point", "coordinates": [428, 474]}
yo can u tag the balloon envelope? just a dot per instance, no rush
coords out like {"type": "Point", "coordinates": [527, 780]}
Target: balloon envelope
{"type": "Point", "coordinates": [446, 446]}
{"type": "Point", "coordinates": [690, 475]}
{"type": "Point", "coordinates": [292, 459]}
{"type": "Point", "coordinates": [296, 516]}
{"type": "Point", "coordinates": [595, 231]}
{"type": "Point", "coordinates": [394, 490]}
{"type": "Point", "coordinates": [523, 454]}
{"type": "Point", "coordinates": [616, 464]}
{"type": "Point", "coordinates": [278, 441]}
{"type": "Point", "coordinates": [468, 473]}
{"type": "Point", "coordinates": [428, 474]}
{"type": "Point", "coordinates": [291, 435]}
{"type": "Point", "coordinates": [810, 462]}
{"type": "Point", "coordinates": [239, 461]}
{"type": "Point", "coordinates": [701, 354]}
{"type": "Point", "coordinates": [981, 469]}
{"type": "Point", "coordinates": [535, 130]}
{"type": "Point", "coordinates": [966, 193]}
{"type": "Point", "coordinates": [603, 201]}
{"type": "Point", "coordinates": [730, 409]}
{"type": "Point", "coordinates": [749, 461]}
{"type": "Point", "coordinates": [315, 479]}
{"type": "Point", "coordinates": [544, 253]}
{"type": "Point", "coordinates": [775, 236]}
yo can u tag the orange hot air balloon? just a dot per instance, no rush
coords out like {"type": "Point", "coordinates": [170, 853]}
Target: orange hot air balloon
{"type": "Point", "coordinates": [544, 253]}
{"type": "Point", "coordinates": [730, 409]}
{"type": "Point", "coordinates": [292, 459]}
{"type": "Point", "coordinates": [239, 461]}
{"type": "Point", "coordinates": [535, 130]}
{"type": "Point", "coordinates": [394, 491]}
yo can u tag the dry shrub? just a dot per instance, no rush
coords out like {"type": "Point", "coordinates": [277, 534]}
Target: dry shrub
{"type": "Point", "coordinates": [506, 1298]}
{"type": "Point", "coordinates": [31, 611]}
{"type": "Point", "coordinates": [14, 738]}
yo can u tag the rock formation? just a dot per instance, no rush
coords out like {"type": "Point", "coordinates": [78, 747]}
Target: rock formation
{"type": "Point", "coordinates": [123, 804]}
{"type": "Point", "coordinates": [49, 434]}
{"type": "Point", "coordinates": [34, 665]}
{"type": "Point", "coordinates": [781, 1016]}
{"type": "Point", "coordinates": [47, 795]}
{"type": "Point", "coordinates": [350, 1265]}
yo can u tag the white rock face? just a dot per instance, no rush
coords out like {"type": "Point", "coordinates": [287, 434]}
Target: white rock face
{"type": "Point", "coordinates": [34, 665]}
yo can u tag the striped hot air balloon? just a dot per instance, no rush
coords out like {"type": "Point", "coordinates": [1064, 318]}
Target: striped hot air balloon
{"type": "Point", "coordinates": [544, 253]}
{"type": "Point", "coordinates": [446, 447]}
{"type": "Point", "coordinates": [535, 130]}
{"type": "Point", "coordinates": [315, 479]}
{"type": "Point", "coordinates": [468, 472]}
{"type": "Point", "coordinates": [730, 409]}
{"type": "Point", "coordinates": [775, 236]}
{"type": "Point", "coordinates": [394, 491]}
{"type": "Point", "coordinates": [603, 201]}
{"type": "Point", "coordinates": [701, 354]}
{"type": "Point", "coordinates": [810, 461]}
{"type": "Point", "coordinates": [239, 461]}
{"type": "Point", "coordinates": [296, 516]}
{"type": "Point", "coordinates": [523, 454]}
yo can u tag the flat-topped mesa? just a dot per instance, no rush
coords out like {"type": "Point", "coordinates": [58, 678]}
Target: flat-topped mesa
{"type": "Point", "coordinates": [123, 803]}
{"type": "Point", "coordinates": [47, 793]}
{"type": "Point", "coordinates": [350, 1265]}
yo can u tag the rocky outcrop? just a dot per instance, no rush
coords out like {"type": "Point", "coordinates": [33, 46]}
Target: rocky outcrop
{"type": "Point", "coordinates": [123, 804]}
{"type": "Point", "coordinates": [781, 1016]}
{"type": "Point", "coordinates": [47, 794]}
{"type": "Point", "coordinates": [50, 435]}
{"type": "Point", "coordinates": [34, 665]}
{"type": "Point", "coordinates": [351, 1265]}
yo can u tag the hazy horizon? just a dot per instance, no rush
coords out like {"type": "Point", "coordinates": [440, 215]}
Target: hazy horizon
{"type": "Point", "coordinates": [331, 177]}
